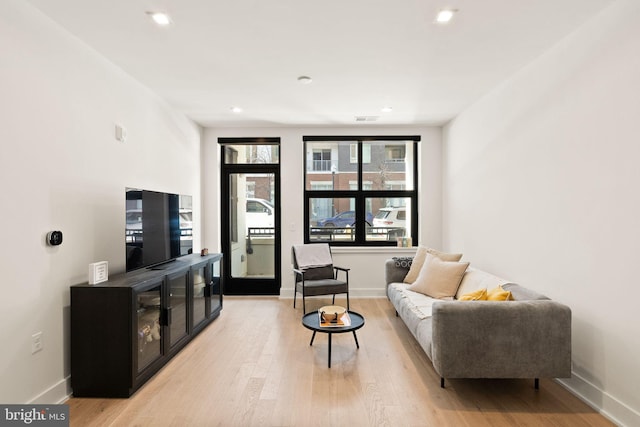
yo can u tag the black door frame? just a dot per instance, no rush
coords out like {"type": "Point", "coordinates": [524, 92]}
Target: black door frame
{"type": "Point", "coordinates": [248, 285]}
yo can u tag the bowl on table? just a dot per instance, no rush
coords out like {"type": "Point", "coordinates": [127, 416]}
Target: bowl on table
{"type": "Point", "coordinates": [331, 313]}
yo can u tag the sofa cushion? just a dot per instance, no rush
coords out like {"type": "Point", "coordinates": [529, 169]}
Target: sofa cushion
{"type": "Point", "coordinates": [424, 336]}
{"type": "Point", "coordinates": [475, 279]}
{"type": "Point", "coordinates": [418, 304]}
{"type": "Point", "coordinates": [419, 258]}
{"type": "Point", "coordinates": [412, 307]}
{"type": "Point", "coordinates": [438, 278]}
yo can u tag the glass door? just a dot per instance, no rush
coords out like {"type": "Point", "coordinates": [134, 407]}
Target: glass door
{"type": "Point", "coordinates": [177, 285]}
{"type": "Point", "coordinates": [148, 327]}
{"type": "Point", "coordinates": [250, 219]}
{"type": "Point", "coordinates": [214, 275]}
{"type": "Point", "coordinates": [199, 282]}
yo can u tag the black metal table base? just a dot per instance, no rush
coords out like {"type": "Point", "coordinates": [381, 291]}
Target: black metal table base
{"type": "Point", "coordinates": [312, 321]}
{"type": "Point", "coordinates": [355, 337]}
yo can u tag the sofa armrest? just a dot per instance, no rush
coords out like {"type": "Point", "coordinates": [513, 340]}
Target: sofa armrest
{"type": "Point", "coordinates": [393, 274]}
{"type": "Point", "coordinates": [490, 339]}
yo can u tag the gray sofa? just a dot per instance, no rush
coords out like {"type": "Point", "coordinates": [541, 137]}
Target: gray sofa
{"type": "Point", "coordinates": [529, 337]}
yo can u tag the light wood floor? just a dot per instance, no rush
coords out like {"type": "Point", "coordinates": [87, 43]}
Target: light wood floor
{"type": "Point", "coordinates": [253, 366]}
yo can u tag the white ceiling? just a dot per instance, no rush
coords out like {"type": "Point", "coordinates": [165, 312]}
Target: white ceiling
{"type": "Point", "coordinates": [362, 54]}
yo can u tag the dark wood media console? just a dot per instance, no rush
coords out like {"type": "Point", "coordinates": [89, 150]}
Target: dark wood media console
{"type": "Point", "coordinates": [124, 330]}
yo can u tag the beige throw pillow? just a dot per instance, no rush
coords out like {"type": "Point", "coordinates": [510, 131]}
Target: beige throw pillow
{"type": "Point", "coordinates": [421, 255]}
{"type": "Point", "coordinates": [438, 278]}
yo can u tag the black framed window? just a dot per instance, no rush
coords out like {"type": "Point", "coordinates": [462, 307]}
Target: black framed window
{"type": "Point", "coordinates": [361, 190]}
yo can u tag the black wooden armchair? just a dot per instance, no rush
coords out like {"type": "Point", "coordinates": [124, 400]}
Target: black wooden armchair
{"type": "Point", "coordinates": [315, 274]}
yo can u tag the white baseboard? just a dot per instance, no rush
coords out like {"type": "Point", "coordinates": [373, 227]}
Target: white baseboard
{"type": "Point", "coordinates": [611, 408]}
{"type": "Point", "coordinates": [54, 395]}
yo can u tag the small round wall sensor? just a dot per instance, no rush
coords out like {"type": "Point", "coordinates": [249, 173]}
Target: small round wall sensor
{"type": "Point", "coordinates": [54, 238]}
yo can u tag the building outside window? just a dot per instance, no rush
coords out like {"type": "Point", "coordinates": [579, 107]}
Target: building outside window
{"type": "Point", "coordinates": [366, 153]}
{"type": "Point", "coordinates": [395, 153]}
{"type": "Point", "coordinates": [321, 159]}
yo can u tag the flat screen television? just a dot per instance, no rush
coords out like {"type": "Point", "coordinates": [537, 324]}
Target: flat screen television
{"type": "Point", "coordinates": [158, 228]}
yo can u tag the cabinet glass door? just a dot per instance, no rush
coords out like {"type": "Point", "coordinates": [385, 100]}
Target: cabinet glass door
{"type": "Point", "coordinates": [199, 305]}
{"type": "Point", "coordinates": [177, 306]}
{"type": "Point", "coordinates": [215, 276]}
{"type": "Point", "coordinates": [149, 332]}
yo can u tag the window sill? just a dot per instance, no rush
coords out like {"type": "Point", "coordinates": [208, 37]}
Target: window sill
{"type": "Point", "coordinates": [390, 250]}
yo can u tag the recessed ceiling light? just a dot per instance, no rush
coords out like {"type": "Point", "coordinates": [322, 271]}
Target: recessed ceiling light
{"type": "Point", "coordinates": [387, 109]}
{"type": "Point", "coordinates": [160, 18]}
{"type": "Point", "coordinates": [445, 15]}
{"type": "Point", "coordinates": [236, 109]}
{"type": "Point", "coordinates": [305, 80]}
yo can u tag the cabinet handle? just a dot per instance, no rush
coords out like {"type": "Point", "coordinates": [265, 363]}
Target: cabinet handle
{"type": "Point", "coordinates": [167, 316]}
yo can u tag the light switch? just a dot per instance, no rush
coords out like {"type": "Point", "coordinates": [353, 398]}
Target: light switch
{"type": "Point", "coordinates": [121, 133]}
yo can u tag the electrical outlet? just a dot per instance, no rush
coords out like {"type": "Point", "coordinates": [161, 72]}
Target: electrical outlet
{"type": "Point", "coordinates": [36, 342]}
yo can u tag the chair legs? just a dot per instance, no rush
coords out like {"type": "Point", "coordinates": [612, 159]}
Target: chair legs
{"type": "Point", "coordinates": [304, 305]}
{"type": "Point", "coordinates": [333, 301]}
{"type": "Point", "coordinates": [295, 294]}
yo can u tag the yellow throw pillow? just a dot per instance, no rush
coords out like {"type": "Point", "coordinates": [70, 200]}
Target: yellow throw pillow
{"type": "Point", "coordinates": [438, 278]}
{"type": "Point", "coordinates": [479, 295]}
{"type": "Point", "coordinates": [419, 258]}
{"type": "Point", "coordinates": [498, 294]}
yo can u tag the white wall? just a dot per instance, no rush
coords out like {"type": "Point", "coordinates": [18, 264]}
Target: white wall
{"type": "Point", "coordinates": [62, 169]}
{"type": "Point", "coordinates": [541, 187]}
{"type": "Point", "coordinates": [367, 274]}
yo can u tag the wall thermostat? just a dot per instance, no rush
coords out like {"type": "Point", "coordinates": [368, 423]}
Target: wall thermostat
{"type": "Point", "coordinates": [54, 238]}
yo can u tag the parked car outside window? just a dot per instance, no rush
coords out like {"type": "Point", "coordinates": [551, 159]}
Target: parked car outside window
{"type": "Point", "coordinates": [391, 217]}
{"type": "Point", "coordinates": [259, 213]}
{"type": "Point", "coordinates": [343, 219]}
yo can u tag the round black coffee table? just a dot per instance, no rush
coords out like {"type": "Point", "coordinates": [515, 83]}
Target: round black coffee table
{"type": "Point", "coordinates": [312, 321]}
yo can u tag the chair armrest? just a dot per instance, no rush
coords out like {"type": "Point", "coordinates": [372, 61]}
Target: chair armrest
{"type": "Point", "coordinates": [297, 273]}
{"type": "Point", "coordinates": [500, 339]}
{"type": "Point", "coordinates": [345, 270]}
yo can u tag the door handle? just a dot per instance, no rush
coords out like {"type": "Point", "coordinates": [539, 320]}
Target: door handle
{"type": "Point", "coordinates": [167, 316]}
